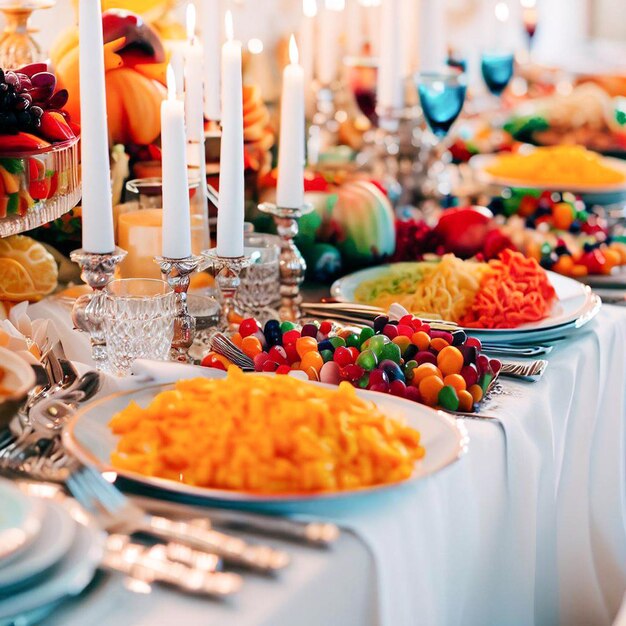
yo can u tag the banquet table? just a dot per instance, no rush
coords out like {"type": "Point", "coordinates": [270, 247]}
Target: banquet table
{"type": "Point", "coordinates": [529, 527]}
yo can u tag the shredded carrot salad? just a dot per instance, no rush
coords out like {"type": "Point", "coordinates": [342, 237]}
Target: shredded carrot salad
{"type": "Point", "coordinates": [514, 291]}
{"type": "Point", "coordinates": [264, 434]}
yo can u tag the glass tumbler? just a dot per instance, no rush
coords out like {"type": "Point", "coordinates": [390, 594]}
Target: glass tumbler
{"type": "Point", "coordinates": [139, 321]}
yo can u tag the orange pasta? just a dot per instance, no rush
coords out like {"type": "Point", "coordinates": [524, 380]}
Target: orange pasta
{"type": "Point", "coordinates": [514, 291]}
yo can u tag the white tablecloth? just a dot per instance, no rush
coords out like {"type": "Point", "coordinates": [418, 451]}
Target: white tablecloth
{"type": "Point", "coordinates": [528, 528]}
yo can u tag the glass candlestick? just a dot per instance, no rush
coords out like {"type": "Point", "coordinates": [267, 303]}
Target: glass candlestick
{"type": "Point", "coordinates": [226, 270]}
{"type": "Point", "coordinates": [177, 272]}
{"type": "Point", "coordinates": [292, 263]}
{"type": "Point", "coordinates": [87, 313]}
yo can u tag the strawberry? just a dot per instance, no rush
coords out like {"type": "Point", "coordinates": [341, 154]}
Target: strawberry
{"type": "Point", "coordinates": [21, 142]}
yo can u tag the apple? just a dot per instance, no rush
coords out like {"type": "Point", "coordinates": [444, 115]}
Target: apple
{"type": "Point", "coordinates": [463, 230]}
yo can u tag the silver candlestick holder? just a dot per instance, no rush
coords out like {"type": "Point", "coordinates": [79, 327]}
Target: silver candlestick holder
{"type": "Point", "coordinates": [226, 270]}
{"type": "Point", "coordinates": [177, 272]}
{"type": "Point", "coordinates": [292, 263]}
{"type": "Point", "coordinates": [88, 311]}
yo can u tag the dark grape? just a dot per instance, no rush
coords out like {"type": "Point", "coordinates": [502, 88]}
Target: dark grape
{"type": "Point", "coordinates": [12, 80]}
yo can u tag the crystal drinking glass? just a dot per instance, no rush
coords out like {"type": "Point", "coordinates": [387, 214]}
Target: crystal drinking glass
{"type": "Point", "coordinates": [139, 321]}
{"type": "Point", "coordinates": [497, 69]}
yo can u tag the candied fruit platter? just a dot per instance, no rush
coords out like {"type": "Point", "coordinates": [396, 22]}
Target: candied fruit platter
{"type": "Point", "coordinates": [263, 439]}
{"type": "Point", "coordinates": [39, 144]}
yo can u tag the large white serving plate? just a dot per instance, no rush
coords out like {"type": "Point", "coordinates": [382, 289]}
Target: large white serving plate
{"type": "Point", "coordinates": [575, 300]}
{"type": "Point", "coordinates": [90, 439]}
{"type": "Point", "coordinates": [20, 521]}
{"type": "Point", "coordinates": [481, 162]}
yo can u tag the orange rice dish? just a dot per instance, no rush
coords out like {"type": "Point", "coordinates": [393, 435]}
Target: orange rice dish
{"type": "Point", "coordinates": [266, 435]}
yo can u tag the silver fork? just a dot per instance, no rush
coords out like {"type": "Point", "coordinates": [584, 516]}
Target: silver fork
{"type": "Point", "coordinates": [116, 513]}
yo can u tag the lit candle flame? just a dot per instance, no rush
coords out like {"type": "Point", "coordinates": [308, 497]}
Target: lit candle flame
{"type": "Point", "coordinates": [228, 24]}
{"type": "Point", "coordinates": [502, 12]}
{"type": "Point", "coordinates": [293, 51]}
{"type": "Point", "coordinates": [309, 8]}
{"type": "Point", "coordinates": [171, 83]}
{"type": "Point", "coordinates": [191, 22]}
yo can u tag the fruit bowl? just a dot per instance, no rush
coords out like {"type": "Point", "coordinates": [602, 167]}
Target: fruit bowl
{"type": "Point", "coordinates": [37, 186]}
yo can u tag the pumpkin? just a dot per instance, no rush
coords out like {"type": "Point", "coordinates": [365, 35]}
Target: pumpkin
{"type": "Point", "coordinates": [134, 72]}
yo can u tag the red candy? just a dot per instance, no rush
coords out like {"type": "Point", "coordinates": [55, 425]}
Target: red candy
{"type": "Point", "coordinates": [326, 327]}
{"type": "Point", "coordinates": [283, 369]}
{"type": "Point", "coordinates": [355, 353]}
{"type": "Point", "coordinates": [248, 327]}
{"type": "Point", "coordinates": [259, 360]}
{"type": "Point", "coordinates": [398, 388]}
{"type": "Point", "coordinates": [291, 336]}
{"type": "Point", "coordinates": [278, 355]}
{"type": "Point", "coordinates": [470, 375]}
{"type": "Point", "coordinates": [391, 331]}
{"type": "Point", "coordinates": [351, 372]}
{"type": "Point", "coordinates": [405, 330]}
{"type": "Point", "coordinates": [291, 352]}
{"type": "Point", "coordinates": [343, 356]}
{"type": "Point", "coordinates": [472, 341]}
{"type": "Point", "coordinates": [269, 366]}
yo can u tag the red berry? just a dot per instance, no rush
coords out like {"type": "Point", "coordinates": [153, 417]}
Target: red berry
{"type": "Point", "coordinates": [291, 336]}
{"type": "Point", "coordinates": [283, 369]}
{"type": "Point", "coordinates": [343, 356]}
{"type": "Point", "coordinates": [248, 327]}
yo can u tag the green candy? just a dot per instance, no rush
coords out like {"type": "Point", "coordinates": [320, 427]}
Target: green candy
{"type": "Point", "coordinates": [392, 352]}
{"type": "Point", "coordinates": [409, 366]}
{"type": "Point", "coordinates": [327, 355]}
{"type": "Point", "coordinates": [448, 398]}
{"type": "Point", "coordinates": [364, 381]}
{"type": "Point", "coordinates": [485, 382]}
{"type": "Point", "coordinates": [337, 342]}
{"type": "Point", "coordinates": [367, 360]}
{"type": "Point", "coordinates": [353, 341]}
{"type": "Point", "coordinates": [287, 326]}
{"type": "Point", "coordinates": [377, 343]}
{"type": "Point", "coordinates": [366, 333]}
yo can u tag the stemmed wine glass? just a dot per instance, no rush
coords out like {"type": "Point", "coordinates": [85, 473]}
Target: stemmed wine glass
{"type": "Point", "coordinates": [497, 68]}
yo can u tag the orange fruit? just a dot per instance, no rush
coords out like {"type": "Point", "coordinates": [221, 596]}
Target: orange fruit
{"type": "Point", "coordinates": [455, 380]}
{"type": "Point", "coordinates": [450, 360]}
{"type": "Point", "coordinates": [27, 270]}
{"type": "Point", "coordinates": [466, 401]}
{"type": "Point", "coordinates": [429, 389]}
{"type": "Point", "coordinates": [424, 370]}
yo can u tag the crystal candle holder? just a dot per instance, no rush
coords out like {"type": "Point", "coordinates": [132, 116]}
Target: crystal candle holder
{"type": "Point", "coordinates": [292, 263]}
{"type": "Point", "coordinates": [88, 311]}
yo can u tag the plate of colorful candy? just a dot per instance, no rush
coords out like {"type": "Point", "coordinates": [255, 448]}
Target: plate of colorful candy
{"type": "Point", "coordinates": [509, 295]}
{"type": "Point", "coordinates": [263, 440]}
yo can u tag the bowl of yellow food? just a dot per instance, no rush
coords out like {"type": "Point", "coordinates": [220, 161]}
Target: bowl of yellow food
{"type": "Point", "coordinates": [263, 439]}
{"type": "Point", "coordinates": [16, 380]}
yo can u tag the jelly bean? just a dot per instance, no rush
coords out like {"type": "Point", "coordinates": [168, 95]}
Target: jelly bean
{"type": "Point", "coordinates": [407, 320]}
{"type": "Point", "coordinates": [283, 369]}
{"type": "Point", "coordinates": [355, 353]}
{"type": "Point", "coordinates": [363, 382]}
{"type": "Point", "coordinates": [466, 402]}
{"type": "Point", "coordinates": [448, 398]}
{"type": "Point", "coordinates": [485, 381]}
{"type": "Point", "coordinates": [291, 336]}
{"type": "Point", "coordinates": [378, 377]}
{"type": "Point", "coordinates": [482, 363]}
{"type": "Point", "coordinates": [325, 345]}
{"type": "Point", "coordinates": [470, 375]}
{"type": "Point", "coordinates": [450, 360]}
{"type": "Point", "coordinates": [455, 380]}
{"type": "Point", "coordinates": [409, 366]}
{"type": "Point", "coordinates": [391, 352]}
{"type": "Point", "coordinates": [298, 374]}
{"type": "Point", "coordinates": [402, 342]}
{"type": "Point", "coordinates": [495, 365]}
{"type": "Point", "coordinates": [295, 365]}
{"type": "Point", "coordinates": [393, 322]}
{"type": "Point", "coordinates": [236, 338]}
{"type": "Point", "coordinates": [336, 342]}
{"type": "Point", "coordinates": [309, 330]}
{"type": "Point", "coordinates": [251, 346]}
{"type": "Point", "coordinates": [410, 352]}
{"type": "Point", "coordinates": [416, 324]}
{"type": "Point", "coordinates": [421, 340]}
{"type": "Point", "coordinates": [405, 330]}
{"type": "Point", "coordinates": [477, 393]}
{"type": "Point", "coordinates": [330, 373]}
{"type": "Point", "coordinates": [390, 331]}
{"type": "Point", "coordinates": [261, 337]}
{"type": "Point", "coordinates": [312, 373]}
{"type": "Point", "coordinates": [426, 357]}
{"type": "Point", "coordinates": [437, 344]}
{"type": "Point", "coordinates": [272, 327]}
{"type": "Point", "coordinates": [442, 334]}
{"type": "Point", "coordinates": [397, 388]}
{"type": "Point", "coordinates": [426, 327]}
{"type": "Point", "coordinates": [474, 342]}
{"type": "Point", "coordinates": [305, 344]}
{"type": "Point", "coordinates": [270, 366]}
{"type": "Point", "coordinates": [429, 389]}
{"type": "Point", "coordinates": [423, 371]}
{"type": "Point", "coordinates": [412, 393]}
{"type": "Point", "coordinates": [286, 326]}
{"type": "Point", "coordinates": [380, 387]}
{"type": "Point", "coordinates": [259, 359]}
{"type": "Point", "coordinates": [343, 356]}
{"type": "Point", "coordinates": [351, 372]}
{"type": "Point", "coordinates": [392, 369]}
{"type": "Point", "coordinates": [366, 333]}
{"type": "Point", "coordinates": [273, 337]}
{"type": "Point", "coordinates": [291, 352]}
{"type": "Point", "coordinates": [344, 334]}
{"type": "Point", "coordinates": [248, 327]}
{"type": "Point", "coordinates": [278, 355]}
{"type": "Point", "coordinates": [312, 359]}
{"type": "Point", "coordinates": [353, 341]}
{"type": "Point", "coordinates": [458, 337]}
{"type": "Point", "coordinates": [375, 344]}
{"type": "Point", "coordinates": [470, 354]}
{"type": "Point", "coordinates": [327, 355]}
{"type": "Point", "coordinates": [380, 322]}
{"type": "Point", "coordinates": [326, 327]}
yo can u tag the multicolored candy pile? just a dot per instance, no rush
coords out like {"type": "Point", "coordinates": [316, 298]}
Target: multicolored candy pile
{"type": "Point", "coordinates": [406, 358]}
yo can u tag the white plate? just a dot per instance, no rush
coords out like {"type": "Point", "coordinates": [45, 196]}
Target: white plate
{"type": "Point", "coordinates": [90, 439]}
{"type": "Point", "coordinates": [73, 573]}
{"type": "Point", "coordinates": [481, 162]}
{"type": "Point", "coordinates": [49, 547]}
{"type": "Point", "coordinates": [20, 520]}
{"type": "Point", "coordinates": [574, 300]}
